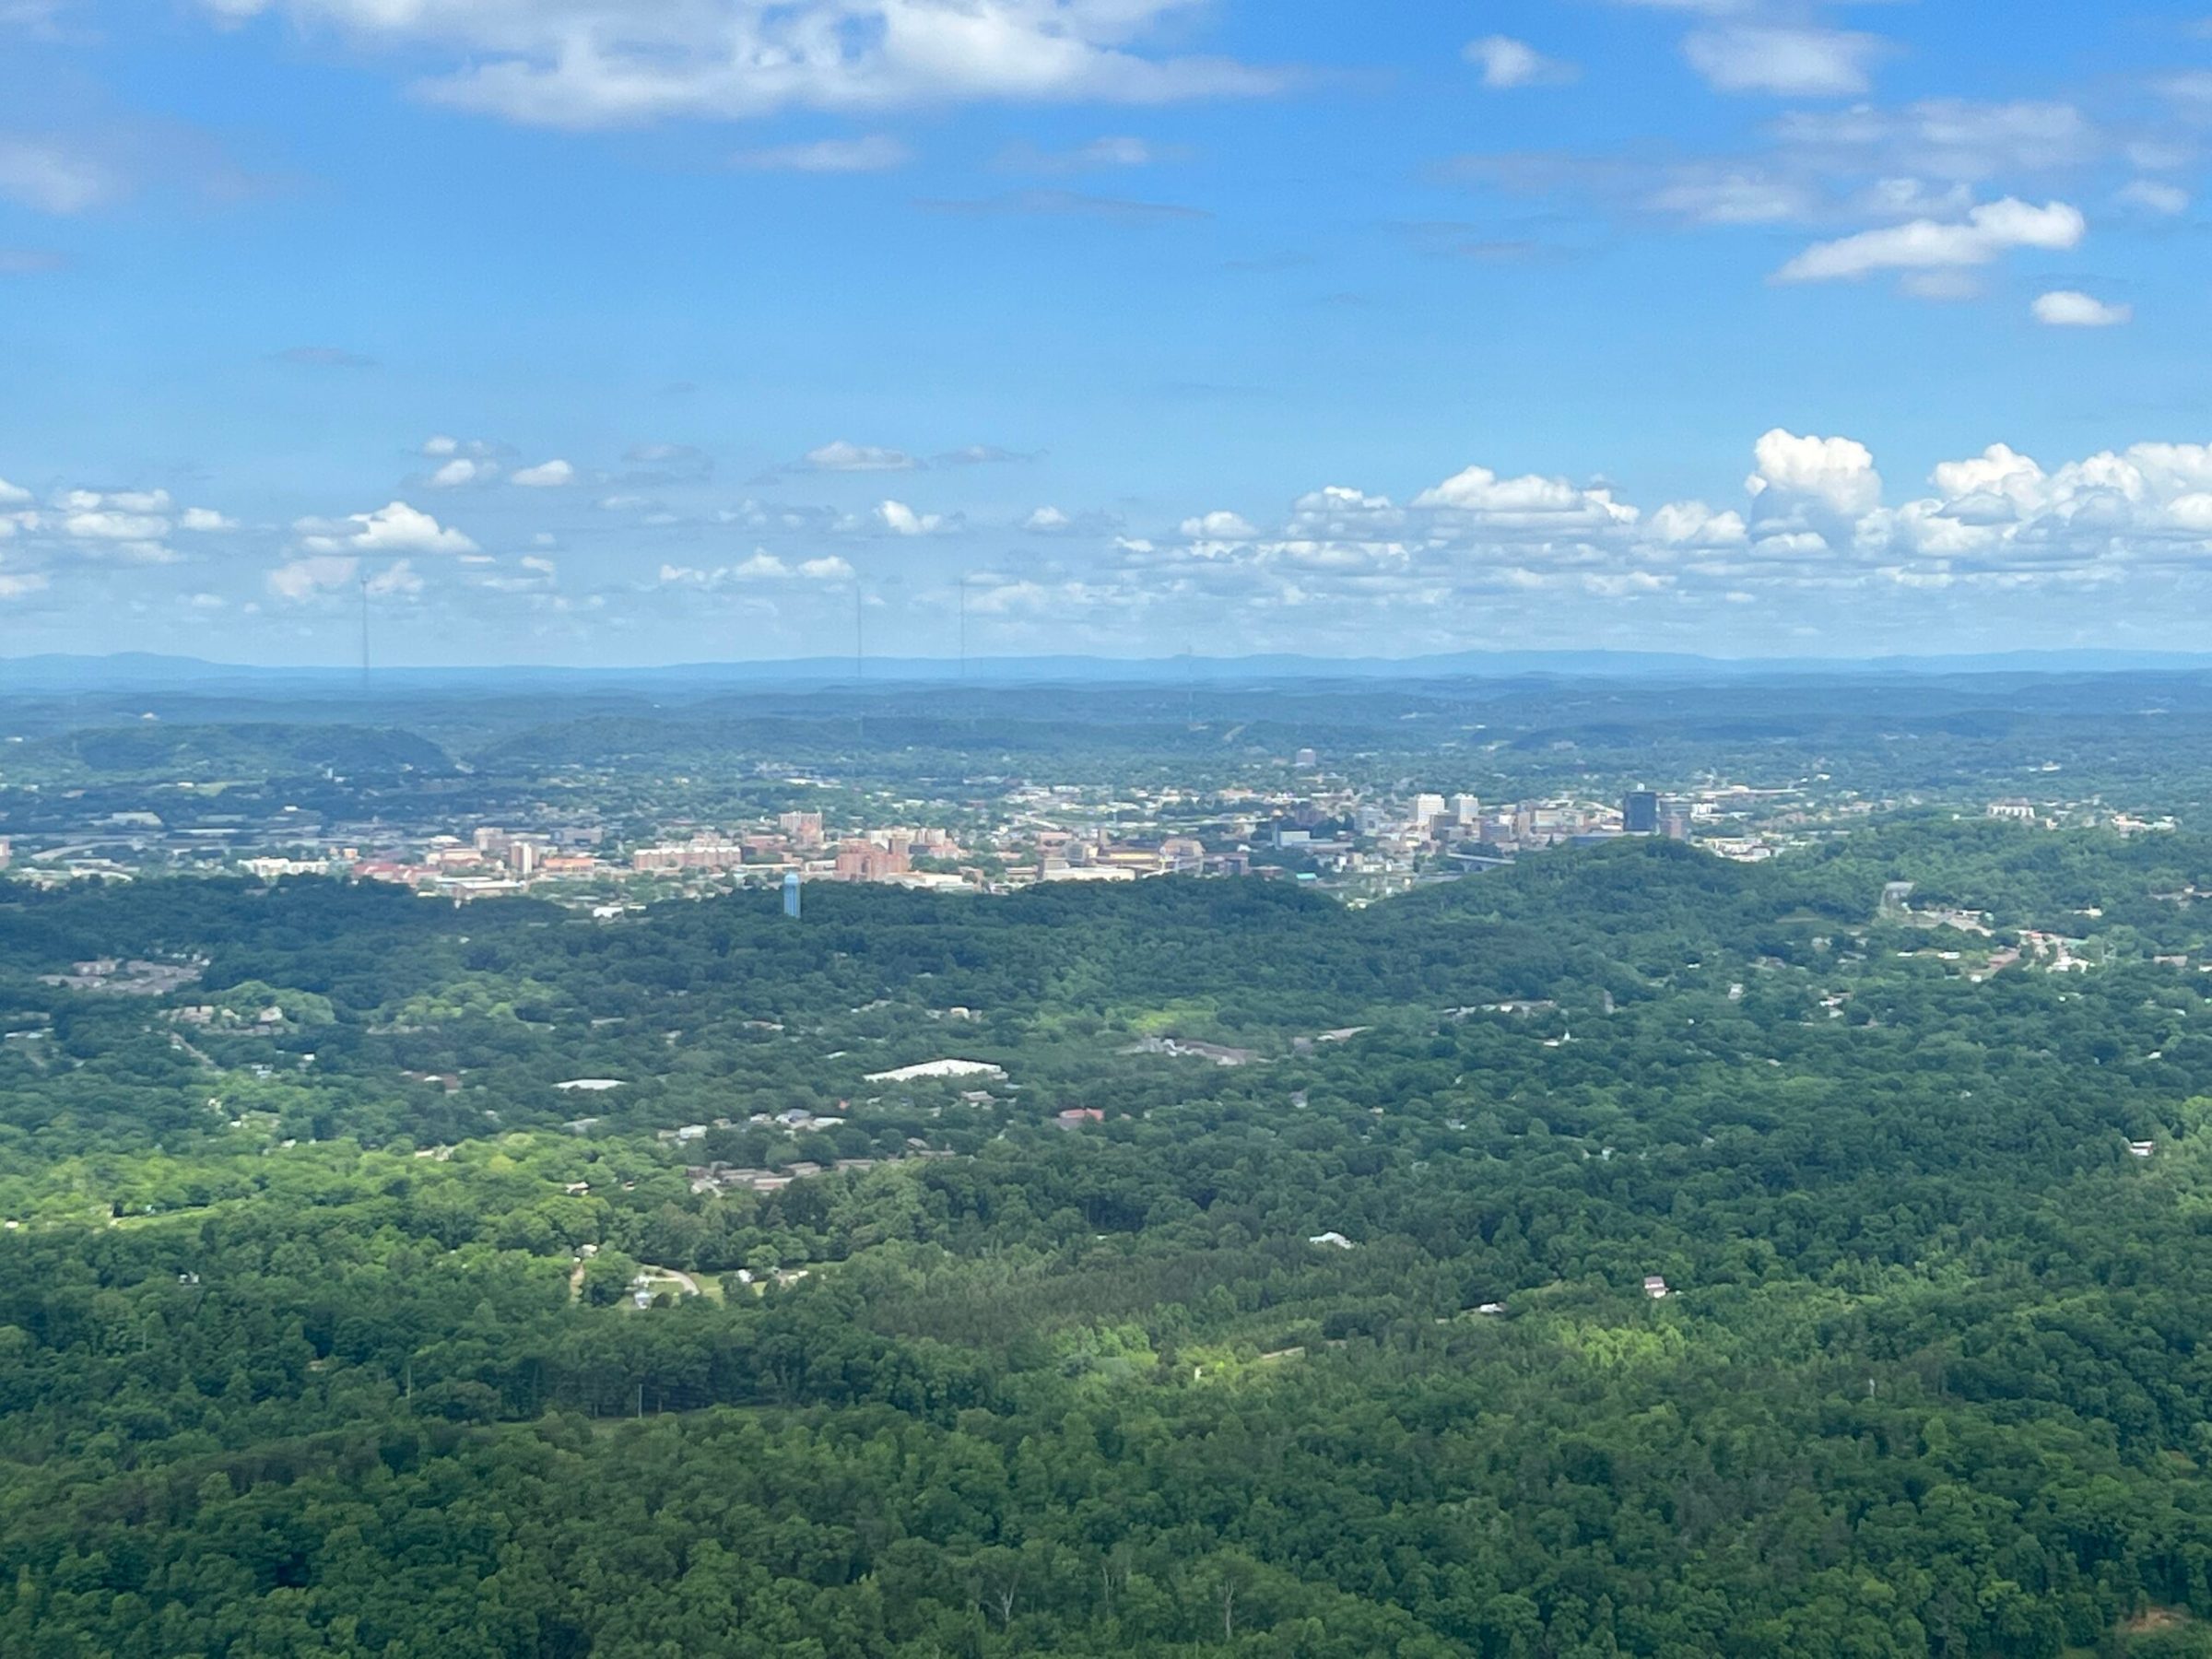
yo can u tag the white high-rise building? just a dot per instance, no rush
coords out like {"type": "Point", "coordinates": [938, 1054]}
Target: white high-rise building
{"type": "Point", "coordinates": [1426, 809]}
{"type": "Point", "coordinates": [1465, 809]}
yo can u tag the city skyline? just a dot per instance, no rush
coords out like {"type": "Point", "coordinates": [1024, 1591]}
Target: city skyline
{"type": "Point", "coordinates": [598, 333]}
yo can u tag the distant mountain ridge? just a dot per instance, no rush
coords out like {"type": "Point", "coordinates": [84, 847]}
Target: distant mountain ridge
{"type": "Point", "coordinates": [52, 673]}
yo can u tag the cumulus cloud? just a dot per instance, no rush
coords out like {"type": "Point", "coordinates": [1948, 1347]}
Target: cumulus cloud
{"type": "Point", "coordinates": [120, 500]}
{"type": "Point", "coordinates": [1046, 521]}
{"type": "Point", "coordinates": [1694, 524]}
{"type": "Point", "coordinates": [461, 471]}
{"type": "Point", "coordinates": [12, 495]}
{"type": "Point", "coordinates": [842, 456]}
{"type": "Point", "coordinates": [2070, 308]}
{"type": "Point", "coordinates": [300, 579]}
{"type": "Point", "coordinates": [1839, 473]}
{"type": "Point", "coordinates": [1219, 526]}
{"type": "Point", "coordinates": [1530, 502]}
{"type": "Point", "coordinates": [394, 528]}
{"type": "Point", "coordinates": [626, 62]}
{"type": "Point", "coordinates": [901, 520]}
{"type": "Point", "coordinates": [761, 567]}
{"type": "Point", "coordinates": [547, 475]}
{"type": "Point", "coordinates": [132, 525]}
{"type": "Point", "coordinates": [1815, 518]}
{"type": "Point", "coordinates": [204, 520]}
{"type": "Point", "coordinates": [1506, 63]}
{"type": "Point", "coordinates": [105, 525]}
{"type": "Point", "coordinates": [1983, 236]}
{"type": "Point", "coordinates": [1861, 166]}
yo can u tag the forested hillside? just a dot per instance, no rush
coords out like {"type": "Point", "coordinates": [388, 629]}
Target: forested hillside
{"type": "Point", "coordinates": [1283, 1289]}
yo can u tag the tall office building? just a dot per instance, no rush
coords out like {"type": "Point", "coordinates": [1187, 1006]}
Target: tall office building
{"type": "Point", "coordinates": [1426, 809]}
{"type": "Point", "coordinates": [791, 894]}
{"type": "Point", "coordinates": [1640, 812]}
{"type": "Point", "coordinates": [1465, 810]}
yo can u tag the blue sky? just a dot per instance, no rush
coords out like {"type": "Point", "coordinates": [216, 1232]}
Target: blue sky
{"type": "Point", "coordinates": [604, 331]}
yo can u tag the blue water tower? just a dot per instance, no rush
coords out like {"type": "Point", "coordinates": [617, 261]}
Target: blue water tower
{"type": "Point", "coordinates": [791, 894]}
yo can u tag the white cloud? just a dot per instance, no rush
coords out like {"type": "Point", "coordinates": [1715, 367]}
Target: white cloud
{"type": "Point", "coordinates": [15, 585]}
{"type": "Point", "coordinates": [2070, 308]}
{"type": "Point", "coordinates": [206, 519]}
{"type": "Point", "coordinates": [393, 528]}
{"type": "Point", "coordinates": [1506, 63]}
{"type": "Point", "coordinates": [1837, 472]}
{"type": "Point", "coordinates": [874, 153]}
{"type": "Point", "coordinates": [12, 495]}
{"type": "Point", "coordinates": [441, 445]}
{"type": "Point", "coordinates": [763, 566]}
{"type": "Point", "coordinates": [1733, 198]}
{"type": "Point", "coordinates": [49, 177]}
{"type": "Point", "coordinates": [107, 525]}
{"type": "Point", "coordinates": [1815, 521]}
{"type": "Point", "coordinates": [123, 501]}
{"type": "Point", "coordinates": [609, 62]}
{"type": "Point", "coordinates": [901, 520]}
{"type": "Point", "coordinates": [1986, 233]}
{"type": "Point", "coordinates": [1045, 521]}
{"type": "Point", "coordinates": [2155, 195]}
{"type": "Point", "coordinates": [547, 475]}
{"type": "Point", "coordinates": [1551, 505]}
{"type": "Point", "coordinates": [1789, 61]}
{"type": "Point", "coordinates": [1694, 524]}
{"type": "Point", "coordinates": [1219, 526]}
{"type": "Point", "coordinates": [302, 579]}
{"type": "Point", "coordinates": [1958, 141]}
{"type": "Point", "coordinates": [1337, 512]}
{"type": "Point", "coordinates": [461, 471]}
{"type": "Point", "coordinates": [398, 578]}
{"type": "Point", "coordinates": [840, 456]}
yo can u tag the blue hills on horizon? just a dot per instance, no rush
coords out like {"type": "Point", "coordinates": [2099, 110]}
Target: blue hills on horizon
{"type": "Point", "coordinates": [52, 673]}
